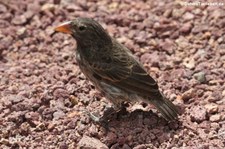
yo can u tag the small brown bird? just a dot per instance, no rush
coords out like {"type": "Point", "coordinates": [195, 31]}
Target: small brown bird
{"type": "Point", "coordinates": [111, 67]}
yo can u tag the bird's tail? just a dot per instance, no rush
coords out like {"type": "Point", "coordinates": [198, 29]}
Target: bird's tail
{"type": "Point", "coordinates": [166, 108]}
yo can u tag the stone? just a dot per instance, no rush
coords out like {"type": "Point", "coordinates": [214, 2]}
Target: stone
{"type": "Point", "coordinates": [90, 142]}
{"type": "Point", "coordinates": [188, 94]}
{"type": "Point", "coordinates": [19, 20]}
{"type": "Point", "coordinates": [211, 108]}
{"type": "Point", "coordinates": [188, 16]}
{"type": "Point", "coordinates": [189, 63]}
{"type": "Point", "coordinates": [198, 114]}
{"type": "Point", "coordinates": [58, 114]}
{"type": "Point", "coordinates": [186, 28]}
{"type": "Point", "coordinates": [200, 77]}
{"type": "Point", "coordinates": [125, 146]}
{"type": "Point", "coordinates": [215, 118]}
{"type": "Point", "coordinates": [48, 6]}
{"type": "Point", "coordinates": [110, 138]}
{"type": "Point", "coordinates": [152, 58]}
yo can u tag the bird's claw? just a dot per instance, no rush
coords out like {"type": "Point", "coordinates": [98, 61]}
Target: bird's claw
{"type": "Point", "coordinates": [95, 118]}
{"type": "Point", "coordinates": [108, 111]}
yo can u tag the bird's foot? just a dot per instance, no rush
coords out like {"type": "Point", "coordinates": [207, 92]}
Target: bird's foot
{"type": "Point", "coordinates": [104, 119]}
{"type": "Point", "coordinates": [109, 113]}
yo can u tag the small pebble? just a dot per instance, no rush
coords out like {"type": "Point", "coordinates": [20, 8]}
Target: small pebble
{"type": "Point", "coordinates": [200, 77]}
{"type": "Point", "coordinates": [215, 118]}
{"type": "Point", "coordinates": [211, 108]}
{"type": "Point", "coordinates": [198, 114]}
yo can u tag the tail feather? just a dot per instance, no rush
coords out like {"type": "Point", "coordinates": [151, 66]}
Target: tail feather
{"type": "Point", "coordinates": [166, 108]}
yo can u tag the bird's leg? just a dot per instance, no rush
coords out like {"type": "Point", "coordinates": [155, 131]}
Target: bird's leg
{"type": "Point", "coordinates": [103, 120]}
{"type": "Point", "coordinates": [118, 109]}
{"type": "Point", "coordinates": [93, 117]}
{"type": "Point", "coordinates": [108, 113]}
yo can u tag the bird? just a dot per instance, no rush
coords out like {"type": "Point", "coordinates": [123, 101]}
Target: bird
{"type": "Point", "coordinates": [112, 68]}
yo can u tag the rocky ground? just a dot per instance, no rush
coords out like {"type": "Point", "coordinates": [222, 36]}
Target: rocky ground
{"type": "Point", "coordinates": [43, 93]}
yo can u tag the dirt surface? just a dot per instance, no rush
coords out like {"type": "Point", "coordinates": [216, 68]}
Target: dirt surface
{"type": "Point", "coordinates": [43, 94]}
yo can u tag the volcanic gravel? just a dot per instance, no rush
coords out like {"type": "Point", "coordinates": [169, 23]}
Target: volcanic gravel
{"type": "Point", "coordinates": [44, 96]}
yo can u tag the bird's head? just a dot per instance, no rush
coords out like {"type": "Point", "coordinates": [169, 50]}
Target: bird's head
{"type": "Point", "coordinates": [86, 31]}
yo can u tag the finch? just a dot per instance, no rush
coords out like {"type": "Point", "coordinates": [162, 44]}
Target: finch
{"type": "Point", "coordinates": [112, 68]}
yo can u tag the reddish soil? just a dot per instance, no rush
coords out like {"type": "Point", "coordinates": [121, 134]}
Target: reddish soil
{"type": "Point", "coordinates": [43, 94]}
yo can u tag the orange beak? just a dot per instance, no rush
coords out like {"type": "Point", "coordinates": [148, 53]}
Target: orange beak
{"type": "Point", "coordinates": [64, 28]}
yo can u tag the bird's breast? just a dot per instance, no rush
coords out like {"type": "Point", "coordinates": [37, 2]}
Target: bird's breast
{"type": "Point", "coordinates": [82, 63]}
{"type": "Point", "coordinates": [85, 68]}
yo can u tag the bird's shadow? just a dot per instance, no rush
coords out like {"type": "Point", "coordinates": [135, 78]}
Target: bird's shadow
{"type": "Point", "coordinates": [141, 127]}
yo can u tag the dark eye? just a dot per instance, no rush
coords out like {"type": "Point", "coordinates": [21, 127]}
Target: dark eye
{"type": "Point", "coordinates": [82, 28]}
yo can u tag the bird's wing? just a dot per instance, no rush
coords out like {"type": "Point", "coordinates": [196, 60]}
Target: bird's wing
{"type": "Point", "coordinates": [124, 72]}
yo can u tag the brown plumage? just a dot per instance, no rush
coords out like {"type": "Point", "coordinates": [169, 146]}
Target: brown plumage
{"type": "Point", "coordinates": [112, 68]}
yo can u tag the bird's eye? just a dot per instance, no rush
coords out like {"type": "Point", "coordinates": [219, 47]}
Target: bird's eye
{"type": "Point", "coordinates": [82, 28]}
